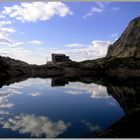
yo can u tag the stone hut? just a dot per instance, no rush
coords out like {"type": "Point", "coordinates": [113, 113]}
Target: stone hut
{"type": "Point", "coordinates": [60, 58]}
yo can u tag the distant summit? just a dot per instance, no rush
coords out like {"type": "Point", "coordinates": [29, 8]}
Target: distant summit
{"type": "Point", "coordinates": [128, 45]}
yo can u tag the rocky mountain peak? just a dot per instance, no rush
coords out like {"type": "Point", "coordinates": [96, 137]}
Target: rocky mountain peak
{"type": "Point", "coordinates": [128, 45]}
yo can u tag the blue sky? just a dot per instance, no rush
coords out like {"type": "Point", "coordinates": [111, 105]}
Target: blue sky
{"type": "Point", "coordinates": [83, 30]}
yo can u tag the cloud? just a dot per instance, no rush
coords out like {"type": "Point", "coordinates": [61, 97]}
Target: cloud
{"type": "Point", "coordinates": [5, 32]}
{"type": "Point", "coordinates": [36, 125]}
{"type": "Point", "coordinates": [75, 45]}
{"type": "Point", "coordinates": [35, 94]}
{"type": "Point", "coordinates": [96, 9]}
{"type": "Point", "coordinates": [36, 42]}
{"type": "Point", "coordinates": [96, 49]}
{"type": "Point", "coordinates": [115, 9]}
{"type": "Point", "coordinates": [114, 35]}
{"type": "Point", "coordinates": [37, 11]}
{"type": "Point", "coordinates": [5, 41]}
{"type": "Point", "coordinates": [2, 16]}
{"type": "Point", "coordinates": [100, 4]}
{"type": "Point", "coordinates": [100, 8]}
{"type": "Point", "coordinates": [2, 23]}
{"type": "Point", "coordinates": [10, 43]}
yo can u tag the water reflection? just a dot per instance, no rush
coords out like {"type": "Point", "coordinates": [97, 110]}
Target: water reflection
{"type": "Point", "coordinates": [61, 107]}
{"type": "Point", "coordinates": [36, 126]}
{"type": "Point", "coordinates": [95, 91]}
{"type": "Point", "coordinates": [90, 126]}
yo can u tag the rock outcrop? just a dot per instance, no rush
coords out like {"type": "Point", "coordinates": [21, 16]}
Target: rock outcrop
{"type": "Point", "coordinates": [128, 45]}
{"type": "Point", "coordinates": [12, 67]}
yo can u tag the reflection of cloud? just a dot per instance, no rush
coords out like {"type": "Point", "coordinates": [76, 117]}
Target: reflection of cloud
{"type": "Point", "coordinates": [90, 126]}
{"type": "Point", "coordinates": [73, 92]}
{"type": "Point", "coordinates": [5, 104]}
{"type": "Point", "coordinates": [4, 95]}
{"type": "Point", "coordinates": [27, 83]}
{"type": "Point", "coordinates": [37, 126]}
{"type": "Point", "coordinates": [35, 94]}
{"type": "Point", "coordinates": [2, 112]}
{"type": "Point", "coordinates": [96, 91]}
{"type": "Point", "coordinates": [112, 103]}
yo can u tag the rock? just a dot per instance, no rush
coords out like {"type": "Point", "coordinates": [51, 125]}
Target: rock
{"type": "Point", "coordinates": [12, 67]}
{"type": "Point", "coordinates": [128, 45]}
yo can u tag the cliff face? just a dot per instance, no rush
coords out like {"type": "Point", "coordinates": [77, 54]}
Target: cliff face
{"type": "Point", "coordinates": [128, 45]}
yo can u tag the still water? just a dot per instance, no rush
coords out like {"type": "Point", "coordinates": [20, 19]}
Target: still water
{"type": "Point", "coordinates": [42, 108]}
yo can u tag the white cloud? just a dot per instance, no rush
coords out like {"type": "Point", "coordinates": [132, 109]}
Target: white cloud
{"type": "Point", "coordinates": [114, 35]}
{"type": "Point", "coordinates": [100, 4]}
{"type": "Point", "coordinates": [96, 49]}
{"type": "Point", "coordinates": [115, 9]}
{"type": "Point", "coordinates": [2, 23]}
{"type": "Point", "coordinates": [36, 56]}
{"type": "Point", "coordinates": [10, 43]}
{"type": "Point", "coordinates": [34, 94]}
{"type": "Point", "coordinates": [96, 9]}
{"type": "Point", "coordinates": [5, 32]}
{"type": "Point", "coordinates": [36, 125]}
{"type": "Point", "coordinates": [32, 12]}
{"type": "Point", "coordinates": [2, 16]}
{"type": "Point", "coordinates": [36, 42]}
{"type": "Point", "coordinates": [75, 45]}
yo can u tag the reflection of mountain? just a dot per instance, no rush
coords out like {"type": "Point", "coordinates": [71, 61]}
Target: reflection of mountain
{"type": "Point", "coordinates": [129, 99]}
{"type": "Point", "coordinates": [126, 127]}
{"type": "Point", "coordinates": [36, 126]}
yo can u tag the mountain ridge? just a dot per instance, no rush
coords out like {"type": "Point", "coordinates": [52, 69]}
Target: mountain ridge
{"type": "Point", "coordinates": [128, 45]}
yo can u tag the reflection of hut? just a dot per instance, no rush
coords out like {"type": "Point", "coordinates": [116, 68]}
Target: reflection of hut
{"type": "Point", "coordinates": [58, 82]}
{"type": "Point", "coordinates": [60, 58]}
